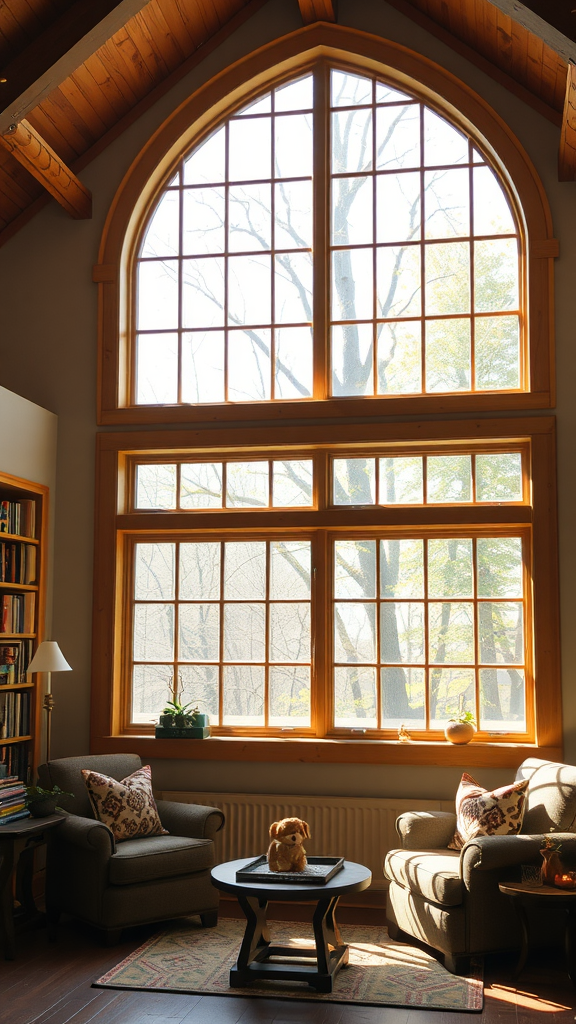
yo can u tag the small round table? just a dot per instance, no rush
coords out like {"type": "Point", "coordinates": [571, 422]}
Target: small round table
{"type": "Point", "coordinates": [256, 952]}
{"type": "Point", "coordinates": [526, 894]}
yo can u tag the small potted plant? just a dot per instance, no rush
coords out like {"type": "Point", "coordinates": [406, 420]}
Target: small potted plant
{"type": "Point", "coordinates": [461, 727]}
{"type": "Point", "coordinates": [42, 802]}
{"type": "Point", "coordinates": [181, 721]}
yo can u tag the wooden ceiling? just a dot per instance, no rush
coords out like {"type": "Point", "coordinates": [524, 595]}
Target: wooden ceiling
{"type": "Point", "coordinates": [75, 73]}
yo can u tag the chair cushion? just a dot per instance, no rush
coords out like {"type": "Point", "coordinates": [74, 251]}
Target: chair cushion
{"type": "Point", "coordinates": [432, 874]}
{"type": "Point", "coordinates": [551, 796]}
{"type": "Point", "coordinates": [483, 813]}
{"type": "Point", "coordinates": [156, 857]}
{"type": "Point", "coordinates": [127, 807]}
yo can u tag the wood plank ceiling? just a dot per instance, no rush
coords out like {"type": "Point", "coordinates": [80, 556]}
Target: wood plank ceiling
{"type": "Point", "coordinates": [159, 44]}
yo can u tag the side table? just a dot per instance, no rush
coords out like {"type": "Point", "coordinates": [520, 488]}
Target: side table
{"type": "Point", "coordinates": [525, 895]}
{"type": "Point", "coordinates": [33, 832]}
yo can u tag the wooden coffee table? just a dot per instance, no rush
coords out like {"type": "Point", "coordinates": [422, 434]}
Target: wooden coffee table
{"type": "Point", "coordinates": [524, 895]}
{"type": "Point", "coordinates": [256, 952]}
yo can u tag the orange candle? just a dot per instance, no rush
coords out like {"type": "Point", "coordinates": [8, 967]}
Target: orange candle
{"type": "Point", "coordinates": [566, 880]}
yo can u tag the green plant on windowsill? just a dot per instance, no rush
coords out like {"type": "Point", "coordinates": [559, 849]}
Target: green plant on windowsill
{"type": "Point", "coordinates": [177, 714]}
{"type": "Point", "coordinates": [42, 802]}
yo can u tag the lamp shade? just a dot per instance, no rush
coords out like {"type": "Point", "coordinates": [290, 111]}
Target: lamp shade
{"type": "Point", "coordinates": [49, 658]}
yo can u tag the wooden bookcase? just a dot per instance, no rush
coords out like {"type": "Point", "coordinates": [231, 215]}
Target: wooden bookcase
{"type": "Point", "coordinates": [23, 521]}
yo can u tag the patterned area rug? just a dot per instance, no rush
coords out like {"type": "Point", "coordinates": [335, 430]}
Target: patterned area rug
{"type": "Point", "coordinates": [188, 958]}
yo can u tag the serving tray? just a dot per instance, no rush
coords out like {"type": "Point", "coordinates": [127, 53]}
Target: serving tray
{"type": "Point", "coordinates": [318, 871]}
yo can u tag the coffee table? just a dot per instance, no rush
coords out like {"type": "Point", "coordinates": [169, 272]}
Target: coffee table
{"type": "Point", "coordinates": [255, 959]}
{"type": "Point", "coordinates": [524, 895]}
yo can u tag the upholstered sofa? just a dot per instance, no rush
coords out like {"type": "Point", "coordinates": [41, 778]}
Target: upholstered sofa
{"type": "Point", "coordinates": [450, 899]}
{"type": "Point", "coordinates": [113, 885]}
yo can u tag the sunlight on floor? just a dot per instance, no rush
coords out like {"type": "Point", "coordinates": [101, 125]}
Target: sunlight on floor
{"type": "Point", "coordinates": [522, 999]}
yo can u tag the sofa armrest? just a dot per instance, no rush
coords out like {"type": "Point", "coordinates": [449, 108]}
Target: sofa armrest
{"type": "Point", "coordinates": [195, 821]}
{"type": "Point", "coordinates": [86, 834]}
{"type": "Point", "coordinates": [490, 853]}
{"type": "Point", "coordinates": [426, 830]}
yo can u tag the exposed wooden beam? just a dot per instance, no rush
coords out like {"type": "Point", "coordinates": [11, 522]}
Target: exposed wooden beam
{"type": "Point", "coordinates": [567, 154]}
{"type": "Point", "coordinates": [551, 20]}
{"type": "Point", "coordinates": [55, 54]}
{"type": "Point", "coordinates": [317, 10]}
{"type": "Point", "coordinates": [30, 149]}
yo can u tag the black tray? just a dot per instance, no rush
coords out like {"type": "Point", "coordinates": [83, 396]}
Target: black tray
{"type": "Point", "coordinates": [318, 871]}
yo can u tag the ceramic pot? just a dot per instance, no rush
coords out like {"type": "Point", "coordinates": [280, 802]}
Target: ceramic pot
{"type": "Point", "coordinates": [551, 866]}
{"type": "Point", "coordinates": [459, 732]}
{"type": "Point", "coordinates": [42, 808]}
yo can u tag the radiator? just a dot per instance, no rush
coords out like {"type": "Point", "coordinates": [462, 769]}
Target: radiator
{"type": "Point", "coordinates": [360, 829]}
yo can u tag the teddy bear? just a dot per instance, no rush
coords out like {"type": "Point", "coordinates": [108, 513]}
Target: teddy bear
{"type": "Point", "coordinates": [286, 852]}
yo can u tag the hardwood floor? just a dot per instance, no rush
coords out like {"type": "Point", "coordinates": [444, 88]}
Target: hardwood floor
{"type": "Point", "coordinates": [50, 983]}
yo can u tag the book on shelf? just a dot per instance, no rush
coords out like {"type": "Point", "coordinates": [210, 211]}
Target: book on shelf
{"type": "Point", "coordinates": [18, 760]}
{"type": "Point", "coordinates": [18, 517]}
{"type": "Point", "coordinates": [18, 562]}
{"type": "Point", "coordinates": [14, 660]}
{"type": "Point", "coordinates": [14, 714]}
{"type": "Point", "coordinates": [18, 613]}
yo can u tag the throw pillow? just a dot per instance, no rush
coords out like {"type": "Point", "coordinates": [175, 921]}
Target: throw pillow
{"type": "Point", "coordinates": [483, 813]}
{"type": "Point", "coordinates": [127, 807]}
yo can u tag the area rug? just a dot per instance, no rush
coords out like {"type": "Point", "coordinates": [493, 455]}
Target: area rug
{"type": "Point", "coordinates": [188, 958]}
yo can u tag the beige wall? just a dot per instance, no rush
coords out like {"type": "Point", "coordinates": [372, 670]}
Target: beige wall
{"type": "Point", "coordinates": [48, 355]}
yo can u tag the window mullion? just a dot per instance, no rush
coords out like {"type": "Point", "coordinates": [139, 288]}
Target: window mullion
{"type": "Point", "coordinates": [321, 201]}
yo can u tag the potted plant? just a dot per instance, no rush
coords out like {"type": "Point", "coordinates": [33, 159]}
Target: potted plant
{"type": "Point", "coordinates": [178, 715]}
{"type": "Point", "coordinates": [42, 802]}
{"type": "Point", "coordinates": [181, 721]}
{"type": "Point", "coordinates": [461, 727]}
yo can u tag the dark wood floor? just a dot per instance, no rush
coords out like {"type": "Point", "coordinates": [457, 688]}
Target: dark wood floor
{"type": "Point", "coordinates": [50, 983]}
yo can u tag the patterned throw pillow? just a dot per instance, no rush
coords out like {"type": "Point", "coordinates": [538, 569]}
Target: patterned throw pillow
{"type": "Point", "coordinates": [127, 807]}
{"type": "Point", "coordinates": [481, 813]}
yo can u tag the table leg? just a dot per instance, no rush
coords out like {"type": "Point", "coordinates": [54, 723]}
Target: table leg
{"type": "Point", "coordinates": [331, 952]}
{"type": "Point", "coordinates": [256, 938]}
{"type": "Point", "coordinates": [570, 941]}
{"type": "Point", "coordinates": [523, 919]}
{"type": "Point", "coordinates": [6, 898]}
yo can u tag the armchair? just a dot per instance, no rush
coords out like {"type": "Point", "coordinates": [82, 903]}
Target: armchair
{"type": "Point", "coordinates": [450, 899]}
{"type": "Point", "coordinates": [116, 885]}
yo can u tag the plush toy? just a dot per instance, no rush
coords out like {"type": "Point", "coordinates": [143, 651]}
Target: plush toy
{"type": "Point", "coordinates": [286, 852]}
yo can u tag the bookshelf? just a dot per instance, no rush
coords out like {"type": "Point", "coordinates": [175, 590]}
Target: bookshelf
{"type": "Point", "coordinates": [23, 518]}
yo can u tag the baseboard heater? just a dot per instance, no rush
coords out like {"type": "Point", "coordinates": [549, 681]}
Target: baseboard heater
{"type": "Point", "coordinates": [360, 829]}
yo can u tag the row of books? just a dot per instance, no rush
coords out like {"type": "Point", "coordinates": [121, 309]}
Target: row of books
{"type": "Point", "coordinates": [17, 613]}
{"type": "Point", "coordinates": [14, 714]}
{"type": "Point", "coordinates": [12, 799]}
{"type": "Point", "coordinates": [14, 660]}
{"type": "Point", "coordinates": [18, 517]}
{"type": "Point", "coordinates": [18, 760]}
{"type": "Point", "coordinates": [18, 563]}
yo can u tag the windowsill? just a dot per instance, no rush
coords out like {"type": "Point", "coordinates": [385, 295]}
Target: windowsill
{"type": "Point", "coordinates": [327, 751]}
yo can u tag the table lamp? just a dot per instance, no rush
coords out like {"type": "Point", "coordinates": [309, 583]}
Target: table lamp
{"type": "Point", "coordinates": [48, 658]}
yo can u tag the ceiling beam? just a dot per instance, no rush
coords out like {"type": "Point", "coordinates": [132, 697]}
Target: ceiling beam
{"type": "Point", "coordinates": [567, 154]}
{"type": "Point", "coordinates": [554, 21]}
{"type": "Point", "coordinates": [30, 149]}
{"type": "Point", "coordinates": [57, 52]}
{"type": "Point", "coordinates": [317, 10]}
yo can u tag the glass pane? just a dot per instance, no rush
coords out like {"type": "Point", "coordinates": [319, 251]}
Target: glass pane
{"type": "Point", "coordinates": [355, 698]}
{"type": "Point", "coordinates": [206, 163]}
{"type": "Point", "coordinates": [203, 292]}
{"type": "Point", "coordinates": [293, 288]}
{"type": "Point", "coordinates": [153, 632]}
{"type": "Point", "coordinates": [289, 696]}
{"type": "Point", "coordinates": [354, 632]}
{"type": "Point", "coordinates": [352, 372]}
{"type": "Point", "coordinates": [352, 140]}
{"type": "Point", "coordinates": [499, 477]}
{"type": "Point", "coordinates": [352, 293]}
{"type": "Point", "coordinates": [250, 155]}
{"type": "Point", "coordinates": [447, 278]}
{"type": "Point", "coordinates": [154, 572]}
{"type": "Point", "coordinates": [250, 218]}
{"type": "Point", "coordinates": [293, 146]}
{"type": "Point", "coordinates": [451, 691]}
{"type": "Point", "coordinates": [448, 355]}
{"type": "Point", "coordinates": [450, 568]}
{"type": "Point", "coordinates": [249, 289]}
{"type": "Point", "coordinates": [354, 481]}
{"type": "Point", "coordinates": [352, 211]}
{"type": "Point", "coordinates": [249, 365]}
{"type": "Point", "coordinates": [294, 96]}
{"type": "Point", "coordinates": [247, 484]}
{"type": "Point", "coordinates": [292, 483]}
{"type": "Point", "coordinates": [156, 369]}
{"type": "Point", "coordinates": [293, 215]}
{"type": "Point", "coordinates": [447, 203]}
{"type": "Point", "coordinates": [349, 90]}
{"type": "Point", "coordinates": [151, 688]}
{"type": "Point", "coordinates": [199, 685]}
{"type": "Point", "coordinates": [497, 347]}
{"type": "Point", "coordinates": [401, 481]}
{"type": "Point", "coordinates": [199, 632]}
{"type": "Point", "coordinates": [502, 700]}
{"type": "Point", "coordinates": [398, 207]}
{"type": "Point", "coordinates": [401, 568]}
{"type": "Point", "coordinates": [449, 478]}
{"type": "Point", "coordinates": [399, 291]}
{"type": "Point", "coordinates": [289, 632]}
{"type": "Point", "coordinates": [156, 486]}
{"type": "Point", "coordinates": [203, 221]}
{"type": "Point", "coordinates": [386, 94]}
{"type": "Point", "coordinates": [290, 569]}
{"type": "Point", "coordinates": [243, 695]}
{"type": "Point", "coordinates": [496, 274]}
{"type": "Point", "coordinates": [499, 567]}
{"type": "Point", "coordinates": [162, 233]}
{"type": "Point", "coordinates": [403, 698]}
{"type": "Point", "coordinates": [293, 362]}
{"type": "Point", "coordinates": [399, 358]}
{"type": "Point", "coordinates": [201, 485]}
{"type": "Point", "coordinates": [200, 571]}
{"type": "Point", "coordinates": [397, 137]}
{"type": "Point", "coordinates": [501, 633]}
{"type": "Point", "coordinates": [443, 144]}
{"type": "Point", "coordinates": [492, 213]}
{"type": "Point", "coordinates": [451, 632]}
{"type": "Point", "coordinates": [245, 570]}
{"type": "Point", "coordinates": [402, 632]}
{"type": "Point", "coordinates": [203, 366]}
{"type": "Point", "coordinates": [157, 295]}
{"type": "Point", "coordinates": [244, 632]}
{"type": "Point", "coordinates": [263, 105]}
{"type": "Point", "coordinates": [355, 568]}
